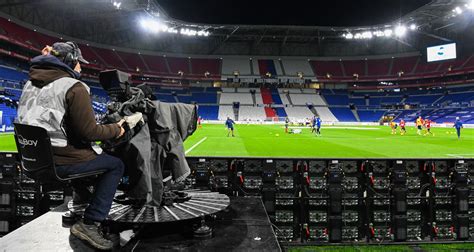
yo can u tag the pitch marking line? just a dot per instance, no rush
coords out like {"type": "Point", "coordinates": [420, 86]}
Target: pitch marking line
{"type": "Point", "coordinates": [334, 127]}
{"type": "Point", "coordinates": [195, 145]}
{"type": "Point", "coordinates": [460, 155]}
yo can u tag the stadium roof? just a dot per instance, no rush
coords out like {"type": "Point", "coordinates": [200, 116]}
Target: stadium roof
{"type": "Point", "coordinates": [296, 12]}
{"type": "Point", "coordinates": [101, 21]}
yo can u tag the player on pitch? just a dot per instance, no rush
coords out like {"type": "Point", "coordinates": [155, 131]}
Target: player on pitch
{"type": "Point", "coordinates": [393, 126]}
{"type": "Point", "coordinates": [419, 125]}
{"type": "Point", "coordinates": [428, 127]}
{"type": "Point", "coordinates": [317, 125]}
{"type": "Point", "coordinates": [229, 123]}
{"type": "Point", "coordinates": [403, 131]}
{"type": "Point", "coordinates": [458, 126]}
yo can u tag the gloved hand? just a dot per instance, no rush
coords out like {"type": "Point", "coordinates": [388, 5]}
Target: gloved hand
{"type": "Point", "coordinates": [132, 120]}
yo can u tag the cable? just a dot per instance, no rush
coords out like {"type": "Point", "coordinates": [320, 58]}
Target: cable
{"type": "Point", "coordinates": [281, 232]}
{"type": "Point", "coordinates": [422, 188]}
{"type": "Point", "coordinates": [136, 244]}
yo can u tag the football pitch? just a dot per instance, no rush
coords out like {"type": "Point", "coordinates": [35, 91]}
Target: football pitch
{"type": "Point", "coordinates": [335, 142]}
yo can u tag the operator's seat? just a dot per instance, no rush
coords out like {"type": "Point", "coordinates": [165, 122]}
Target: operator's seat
{"type": "Point", "coordinates": [36, 155]}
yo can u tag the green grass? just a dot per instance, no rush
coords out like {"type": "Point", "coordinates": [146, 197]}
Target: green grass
{"type": "Point", "coordinates": [7, 142]}
{"type": "Point", "coordinates": [389, 248]}
{"type": "Point", "coordinates": [335, 142]}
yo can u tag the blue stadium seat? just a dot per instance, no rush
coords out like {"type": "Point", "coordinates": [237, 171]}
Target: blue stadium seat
{"type": "Point", "coordinates": [370, 115]}
{"type": "Point", "coordinates": [208, 112]}
{"type": "Point", "coordinates": [7, 73]}
{"type": "Point", "coordinates": [337, 99]}
{"type": "Point", "coordinates": [343, 114]}
{"type": "Point", "coordinates": [281, 112]}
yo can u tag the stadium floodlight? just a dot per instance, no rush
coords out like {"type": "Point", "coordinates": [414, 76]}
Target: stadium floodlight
{"type": "Point", "coordinates": [388, 32]}
{"type": "Point", "coordinates": [172, 30]}
{"type": "Point", "coordinates": [470, 6]}
{"type": "Point", "coordinates": [413, 27]}
{"type": "Point", "coordinates": [367, 35]}
{"type": "Point", "coordinates": [400, 31]}
{"type": "Point", "coordinates": [203, 33]}
{"type": "Point", "coordinates": [117, 4]}
{"type": "Point", "coordinates": [349, 36]}
{"type": "Point", "coordinates": [153, 26]}
{"type": "Point", "coordinates": [458, 10]}
{"type": "Point", "coordinates": [378, 33]}
{"type": "Point", "coordinates": [188, 32]}
{"type": "Point", "coordinates": [192, 32]}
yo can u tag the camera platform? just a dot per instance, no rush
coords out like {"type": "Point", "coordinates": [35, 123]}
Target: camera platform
{"type": "Point", "coordinates": [190, 205]}
{"type": "Point", "coordinates": [242, 226]}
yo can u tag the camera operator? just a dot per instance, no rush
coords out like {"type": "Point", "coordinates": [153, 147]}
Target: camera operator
{"type": "Point", "coordinates": [55, 99]}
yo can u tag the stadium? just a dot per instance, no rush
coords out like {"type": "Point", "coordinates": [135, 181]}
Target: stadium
{"type": "Point", "coordinates": [349, 129]}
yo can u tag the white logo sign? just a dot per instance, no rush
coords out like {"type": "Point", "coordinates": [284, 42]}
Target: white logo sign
{"type": "Point", "coordinates": [24, 142]}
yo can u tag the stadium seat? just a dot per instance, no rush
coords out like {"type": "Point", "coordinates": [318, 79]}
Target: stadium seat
{"type": "Point", "coordinates": [343, 114]}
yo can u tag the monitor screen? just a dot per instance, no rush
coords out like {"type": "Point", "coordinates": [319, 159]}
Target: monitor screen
{"type": "Point", "coordinates": [441, 52]}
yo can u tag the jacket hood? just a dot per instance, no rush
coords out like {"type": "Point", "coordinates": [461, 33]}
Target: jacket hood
{"type": "Point", "coordinates": [47, 68]}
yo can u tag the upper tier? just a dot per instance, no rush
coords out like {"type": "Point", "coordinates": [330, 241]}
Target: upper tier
{"type": "Point", "coordinates": [371, 68]}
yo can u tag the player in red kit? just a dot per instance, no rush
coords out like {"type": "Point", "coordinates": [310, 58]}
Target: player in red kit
{"type": "Point", "coordinates": [428, 127]}
{"type": "Point", "coordinates": [403, 131]}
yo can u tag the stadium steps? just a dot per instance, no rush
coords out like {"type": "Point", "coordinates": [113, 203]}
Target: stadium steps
{"type": "Point", "coordinates": [323, 99]}
{"type": "Point", "coordinates": [168, 68]}
{"type": "Point", "coordinates": [437, 100]}
{"type": "Point", "coordinates": [443, 115]}
{"type": "Point", "coordinates": [266, 96]}
{"type": "Point", "coordinates": [415, 66]}
{"type": "Point", "coordinates": [236, 113]}
{"type": "Point", "coordinates": [325, 114]}
{"type": "Point", "coordinates": [356, 115]}
{"type": "Point", "coordinates": [175, 98]}
{"type": "Point", "coordinates": [102, 61]}
{"type": "Point", "coordinates": [121, 60]}
{"type": "Point", "coordinates": [251, 67]}
{"type": "Point", "coordinates": [403, 100]}
{"type": "Point", "coordinates": [289, 98]}
{"type": "Point", "coordinates": [313, 110]}
{"type": "Point", "coordinates": [281, 112]}
{"type": "Point", "coordinates": [144, 63]}
{"type": "Point", "coordinates": [396, 114]}
{"type": "Point", "coordinates": [190, 65]}
{"type": "Point", "coordinates": [270, 112]}
{"type": "Point", "coordinates": [282, 67]}
{"type": "Point", "coordinates": [366, 68]}
{"type": "Point", "coordinates": [219, 97]}
{"type": "Point", "coordinates": [390, 67]}
{"type": "Point", "coordinates": [343, 70]}
{"type": "Point", "coordinates": [254, 100]}
{"type": "Point", "coordinates": [466, 61]}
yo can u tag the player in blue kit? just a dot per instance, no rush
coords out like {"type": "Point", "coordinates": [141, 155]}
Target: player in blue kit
{"type": "Point", "coordinates": [317, 125]}
{"type": "Point", "coordinates": [229, 123]}
{"type": "Point", "coordinates": [458, 126]}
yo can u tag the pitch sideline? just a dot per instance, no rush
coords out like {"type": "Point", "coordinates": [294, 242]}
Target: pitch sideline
{"type": "Point", "coordinates": [195, 145]}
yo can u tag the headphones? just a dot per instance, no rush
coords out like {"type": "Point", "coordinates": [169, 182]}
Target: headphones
{"type": "Point", "coordinates": [71, 58]}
